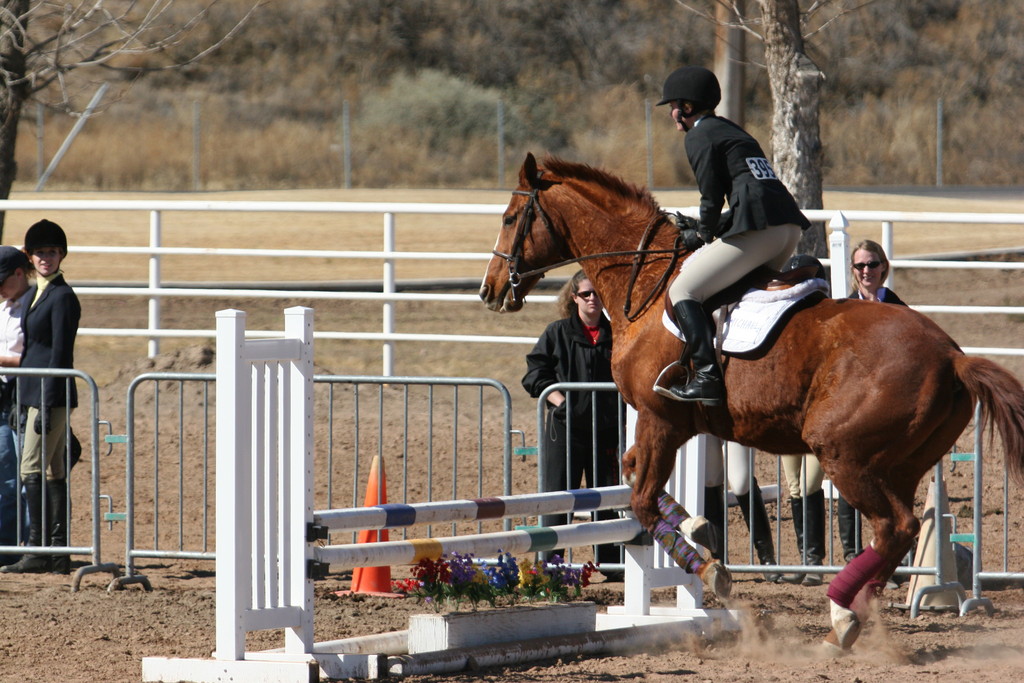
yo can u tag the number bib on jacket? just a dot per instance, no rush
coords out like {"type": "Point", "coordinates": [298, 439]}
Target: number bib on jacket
{"type": "Point", "coordinates": [760, 168]}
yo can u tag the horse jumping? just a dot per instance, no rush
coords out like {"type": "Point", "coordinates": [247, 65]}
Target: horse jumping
{"type": "Point", "coordinates": [878, 393]}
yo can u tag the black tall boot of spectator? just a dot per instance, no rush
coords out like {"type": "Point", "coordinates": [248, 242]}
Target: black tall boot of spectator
{"type": "Point", "coordinates": [796, 505]}
{"type": "Point", "coordinates": [57, 506]}
{"type": "Point", "coordinates": [760, 528]}
{"type": "Point", "coordinates": [815, 536]}
{"type": "Point", "coordinates": [30, 563]}
{"type": "Point", "coordinates": [848, 535]}
{"type": "Point", "coordinates": [714, 512]}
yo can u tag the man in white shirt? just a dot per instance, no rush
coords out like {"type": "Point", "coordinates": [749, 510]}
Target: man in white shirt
{"type": "Point", "coordinates": [13, 289]}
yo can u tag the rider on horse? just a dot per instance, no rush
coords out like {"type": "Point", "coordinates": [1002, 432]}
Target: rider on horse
{"type": "Point", "coordinates": [762, 226]}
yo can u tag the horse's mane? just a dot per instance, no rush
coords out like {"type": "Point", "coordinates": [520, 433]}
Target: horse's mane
{"type": "Point", "coordinates": [626, 191]}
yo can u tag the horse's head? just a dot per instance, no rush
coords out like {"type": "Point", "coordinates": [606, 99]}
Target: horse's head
{"type": "Point", "coordinates": [527, 241]}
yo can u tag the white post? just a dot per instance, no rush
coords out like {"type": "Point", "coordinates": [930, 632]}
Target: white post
{"type": "Point", "coordinates": [888, 247]}
{"type": "Point", "coordinates": [297, 483]}
{"type": "Point", "coordinates": [839, 246]}
{"type": "Point", "coordinates": [154, 280]}
{"type": "Point", "coordinates": [389, 288]}
{"type": "Point", "coordinates": [234, 590]}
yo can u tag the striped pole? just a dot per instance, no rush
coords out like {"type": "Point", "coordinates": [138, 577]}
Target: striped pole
{"type": "Point", "coordinates": [530, 540]}
{"type": "Point", "coordinates": [393, 515]}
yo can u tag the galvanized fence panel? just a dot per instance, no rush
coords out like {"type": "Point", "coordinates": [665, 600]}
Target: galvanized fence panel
{"type": "Point", "coordinates": [438, 439]}
{"type": "Point", "coordinates": [80, 542]}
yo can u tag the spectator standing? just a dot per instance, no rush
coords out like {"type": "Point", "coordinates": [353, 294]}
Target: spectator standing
{"type": "Point", "coordinates": [50, 326]}
{"type": "Point", "coordinates": [14, 268]}
{"type": "Point", "coordinates": [577, 348]}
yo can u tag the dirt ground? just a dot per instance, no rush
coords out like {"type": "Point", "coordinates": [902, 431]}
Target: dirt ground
{"type": "Point", "coordinates": [53, 634]}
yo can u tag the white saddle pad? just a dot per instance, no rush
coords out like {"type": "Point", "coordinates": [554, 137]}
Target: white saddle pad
{"type": "Point", "coordinates": [750, 321]}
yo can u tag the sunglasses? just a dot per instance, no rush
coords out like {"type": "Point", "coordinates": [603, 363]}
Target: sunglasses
{"type": "Point", "coordinates": [585, 295]}
{"type": "Point", "coordinates": [869, 264]}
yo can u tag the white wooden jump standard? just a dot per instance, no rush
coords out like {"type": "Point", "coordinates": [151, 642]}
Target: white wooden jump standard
{"type": "Point", "coordinates": [265, 548]}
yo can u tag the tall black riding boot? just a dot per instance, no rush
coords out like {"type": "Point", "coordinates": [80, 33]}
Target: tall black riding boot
{"type": "Point", "coordinates": [57, 506]}
{"type": "Point", "coordinates": [707, 385]}
{"type": "Point", "coordinates": [714, 512]}
{"type": "Point", "coordinates": [815, 536]}
{"type": "Point", "coordinates": [848, 533]}
{"type": "Point", "coordinates": [29, 563]}
{"type": "Point", "coordinates": [796, 505]}
{"type": "Point", "coordinates": [760, 528]}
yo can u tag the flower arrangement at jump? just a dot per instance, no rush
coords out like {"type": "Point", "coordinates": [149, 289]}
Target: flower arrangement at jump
{"type": "Point", "coordinates": [456, 579]}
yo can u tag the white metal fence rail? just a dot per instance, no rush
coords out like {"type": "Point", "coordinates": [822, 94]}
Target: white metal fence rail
{"type": "Point", "coordinates": [156, 289]}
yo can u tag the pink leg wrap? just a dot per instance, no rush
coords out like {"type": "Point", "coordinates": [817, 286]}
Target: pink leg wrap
{"type": "Point", "coordinates": [844, 588]}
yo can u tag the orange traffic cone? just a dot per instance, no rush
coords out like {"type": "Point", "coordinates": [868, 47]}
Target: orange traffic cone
{"type": "Point", "coordinates": [373, 580]}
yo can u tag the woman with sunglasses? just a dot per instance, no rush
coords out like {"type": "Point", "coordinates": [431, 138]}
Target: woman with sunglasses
{"type": "Point", "coordinates": [577, 348]}
{"type": "Point", "coordinates": [869, 268]}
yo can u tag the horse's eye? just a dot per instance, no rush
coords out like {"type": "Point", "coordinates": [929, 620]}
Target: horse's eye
{"type": "Point", "coordinates": [510, 220]}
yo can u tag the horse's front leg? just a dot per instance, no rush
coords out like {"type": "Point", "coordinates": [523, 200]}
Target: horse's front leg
{"type": "Point", "coordinates": [647, 466]}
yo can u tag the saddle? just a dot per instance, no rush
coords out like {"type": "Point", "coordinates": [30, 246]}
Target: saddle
{"type": "Point", "coordinates": [763, 278]}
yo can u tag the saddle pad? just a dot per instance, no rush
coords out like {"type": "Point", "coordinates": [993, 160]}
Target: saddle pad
{"type": "Point", "coordinates": [751, 320]}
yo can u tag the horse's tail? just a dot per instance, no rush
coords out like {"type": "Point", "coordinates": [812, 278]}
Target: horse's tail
{"type": "Point", "coordinates": [1002, 405]}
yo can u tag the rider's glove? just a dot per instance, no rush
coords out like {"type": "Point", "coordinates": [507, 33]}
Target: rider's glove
{"type": "Point", "coordinates": [688, 229]}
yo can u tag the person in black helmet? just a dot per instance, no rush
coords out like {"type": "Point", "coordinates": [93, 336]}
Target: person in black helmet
{"type": "Point", "coordinates": [762, 226]}
{"type": "Point", "coordinates": [50, 326]}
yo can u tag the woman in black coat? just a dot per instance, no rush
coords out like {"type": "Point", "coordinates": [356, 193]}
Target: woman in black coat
{"type": "Point", "coordinates": [50, 326]}
{"type": "Point", "coordinates": [577, 348]}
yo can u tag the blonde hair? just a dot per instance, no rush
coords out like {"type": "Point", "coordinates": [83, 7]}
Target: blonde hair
{"type": "Point", "coordinates": [879, 253]}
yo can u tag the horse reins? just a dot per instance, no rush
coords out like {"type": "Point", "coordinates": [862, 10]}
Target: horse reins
{"type": "Point", "coordinates": [526, 219]}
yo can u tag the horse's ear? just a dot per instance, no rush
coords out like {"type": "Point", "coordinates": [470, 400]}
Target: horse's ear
{"type": "Point", "coordinates": [528, 175]}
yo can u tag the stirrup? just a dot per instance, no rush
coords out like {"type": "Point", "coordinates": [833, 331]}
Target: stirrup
{"type": "Point", "coordinates": [664, 391]}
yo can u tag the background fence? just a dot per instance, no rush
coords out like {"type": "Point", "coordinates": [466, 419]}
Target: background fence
{"type": "Point", "coordinates": [156, 289]}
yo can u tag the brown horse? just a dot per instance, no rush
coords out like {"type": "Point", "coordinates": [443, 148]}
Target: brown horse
{"type": "Point", "coordinates": [878, 393]}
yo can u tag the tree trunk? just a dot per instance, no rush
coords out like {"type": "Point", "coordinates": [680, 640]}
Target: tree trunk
{"type": "Point", "coordinates": [13, 90]}
{"type": "Point", "coordinates": [796, 93]}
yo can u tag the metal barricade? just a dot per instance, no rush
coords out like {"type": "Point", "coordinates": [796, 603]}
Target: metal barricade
{"type": "Point", "coordinates": [445, 435]}
{"type": "Point", "coordinates": [94, 546]}
{"type": "Point", "coordinates": [573, 392]}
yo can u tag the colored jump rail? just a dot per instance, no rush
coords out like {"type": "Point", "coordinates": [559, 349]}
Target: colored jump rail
{"type": "Point", "coordinates": [394, 515]}
{"type": "Point", "coordinates": [519, 541]}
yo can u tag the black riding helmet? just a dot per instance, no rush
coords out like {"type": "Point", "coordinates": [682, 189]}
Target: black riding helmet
{"type": "Point", "coordinates": [804, 260]}
{"type": "Point", "coordinates": [694, 84]}
{"type": "Point", "coordinates": [45, 233]}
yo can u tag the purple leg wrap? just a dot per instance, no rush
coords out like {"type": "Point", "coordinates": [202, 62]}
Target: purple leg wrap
{"type": "Point", "coordinates": [671, 511]}
{"type": "Point", "coordinates": [676, 546]}
{"type": "Point", "coordinates": [863, 568]}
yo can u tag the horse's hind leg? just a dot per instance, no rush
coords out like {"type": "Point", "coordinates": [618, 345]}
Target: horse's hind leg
{"type": "Point", "coordinates": [889, 506]}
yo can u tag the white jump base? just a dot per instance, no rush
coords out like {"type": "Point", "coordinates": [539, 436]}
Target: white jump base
{"type": "Point", "coordinates": [264, 508]}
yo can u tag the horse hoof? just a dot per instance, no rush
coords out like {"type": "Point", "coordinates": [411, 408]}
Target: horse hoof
{"type": "Point", "coordinates": [717, 578]}
{"type": "Point", "coordinates": [700, 530]}
{"type": "Point", "coordinates": [829, 647]}
{"type": "Point", "coordinates": [846, 626]}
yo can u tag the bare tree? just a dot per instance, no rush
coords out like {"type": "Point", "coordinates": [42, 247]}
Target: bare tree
{"type": "Point", "coordinates": [46, 44]}
{"type": "Point", "coordinates": [796, 95]}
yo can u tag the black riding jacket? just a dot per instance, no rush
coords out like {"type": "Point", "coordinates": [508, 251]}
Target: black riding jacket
{"type": "Point", "coordinates": [728, 163]}
{"type": "Point", "coordinates": [564, 353]}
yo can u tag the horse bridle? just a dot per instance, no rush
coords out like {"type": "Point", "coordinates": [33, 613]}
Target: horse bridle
{"type": "Point", "coordinates": [514, 258]}
{"type": "Point", "coordinates": [524, 225]}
